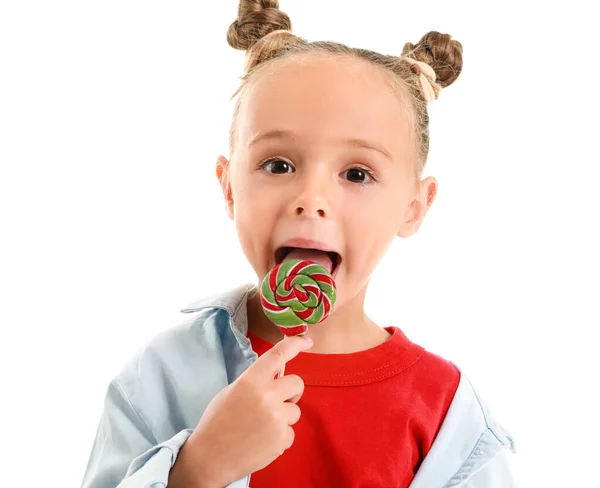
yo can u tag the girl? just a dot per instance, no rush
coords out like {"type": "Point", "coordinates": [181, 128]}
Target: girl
{"type": "Point", "coordinates": [327, 148]}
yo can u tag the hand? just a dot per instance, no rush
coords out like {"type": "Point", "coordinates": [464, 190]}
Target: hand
{"type": "Point", "coordinates": [247, 425]}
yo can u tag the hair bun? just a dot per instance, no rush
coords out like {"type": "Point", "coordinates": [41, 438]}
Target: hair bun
{"type": "Point", "coordinates": [441, 53]}
{"type": "Point", "coordinates": [256, 19]}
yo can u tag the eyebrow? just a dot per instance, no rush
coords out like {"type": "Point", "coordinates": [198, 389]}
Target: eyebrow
{"type": "Point", "coordinates": [351, 141]}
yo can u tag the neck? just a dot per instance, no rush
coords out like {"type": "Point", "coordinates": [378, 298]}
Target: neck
{"type": "Point", "coordinates": [346, 330]}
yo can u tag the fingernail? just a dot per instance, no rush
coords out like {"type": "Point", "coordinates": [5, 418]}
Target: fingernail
{"type": "Point", "coordinates": [309, 341]}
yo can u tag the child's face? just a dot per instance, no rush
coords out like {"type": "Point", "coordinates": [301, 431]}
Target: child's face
{"type": "Point", "coordinates": [317, 185]}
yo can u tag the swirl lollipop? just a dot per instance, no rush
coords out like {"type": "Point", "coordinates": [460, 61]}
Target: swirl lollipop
{"type": "Point", "coordinates": [296, 293]}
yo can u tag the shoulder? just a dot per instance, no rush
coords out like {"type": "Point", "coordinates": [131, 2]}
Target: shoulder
{"type": "Point", "coordinates": [438, 370]}
{"type": "Point", "coordinates": [449, 381]}
{"type": "Point", "coordinates": [195, 346]}
{"type": "Point", "coordinates": [473, 401]}
{"type": "Point", "coordinates": [438, 381]}
{"type": "Point", "coordinates": [171, 379]}
{"type": "Point", "coordinates": [179, 351]}
{"type": "Point", "coordinates": [183, 338]}
{"type": "Point", "coordinates": [469, 439]}
{"type": "Point", "coordinates": [469, 410]}
{"type": "Point", "coordinates": [434, 373]}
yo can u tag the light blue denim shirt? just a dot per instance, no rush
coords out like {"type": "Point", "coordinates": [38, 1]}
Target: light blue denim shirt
{"type": "Point", "coordinates": [152, 406]}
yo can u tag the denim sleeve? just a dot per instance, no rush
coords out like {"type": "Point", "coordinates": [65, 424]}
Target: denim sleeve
{"type": "Point", "coordinates": [125, 453]}
{"type": "Point", "coordinates": [496, 474]}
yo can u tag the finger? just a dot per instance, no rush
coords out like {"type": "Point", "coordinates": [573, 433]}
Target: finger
{"type": "Point", "coordinates": [285, 350]}
{"type": "Point", "coordinates": [289, 388]}
{"type": "Point", "coordinates": [289, 438]}
{"type": "Point", "coordinates": [292, 413]}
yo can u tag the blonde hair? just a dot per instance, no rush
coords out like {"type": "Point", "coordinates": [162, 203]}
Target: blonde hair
{"type": "Point", "coordinates": [264, 32]}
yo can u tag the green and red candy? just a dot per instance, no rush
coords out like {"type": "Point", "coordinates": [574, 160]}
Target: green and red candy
{"type": "Point", "coordinates": [296, 293]}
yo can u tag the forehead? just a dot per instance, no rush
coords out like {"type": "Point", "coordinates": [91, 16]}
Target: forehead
{"type": "Point", "coordinates": [325, 99]}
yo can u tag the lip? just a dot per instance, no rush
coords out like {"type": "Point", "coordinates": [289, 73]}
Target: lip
{"type": "Point", "coordinates": [313, 244]}
{"type": "Point", "coordinates": [337, 268]}
{"type": "Point", "coordinates": [307, 244]}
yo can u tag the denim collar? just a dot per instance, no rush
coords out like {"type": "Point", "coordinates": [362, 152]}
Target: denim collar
{"type": "Point", "coordinates": [232, 301]}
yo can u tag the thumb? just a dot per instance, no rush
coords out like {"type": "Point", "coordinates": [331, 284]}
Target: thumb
{"type": "Point", "coordinates": [285, 350]}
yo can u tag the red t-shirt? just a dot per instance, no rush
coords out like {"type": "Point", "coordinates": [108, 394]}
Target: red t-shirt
{"type": "Point", "coordinates": [368, 418]}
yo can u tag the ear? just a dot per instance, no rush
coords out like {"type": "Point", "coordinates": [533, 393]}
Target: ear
{"type": "Point", "coordinates": [222, 171]}
{"type": "Point", "coordinates": [418, 208]}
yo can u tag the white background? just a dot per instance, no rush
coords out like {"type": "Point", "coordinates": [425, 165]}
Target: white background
{"type": "Point", "coordinates": [112, 115]}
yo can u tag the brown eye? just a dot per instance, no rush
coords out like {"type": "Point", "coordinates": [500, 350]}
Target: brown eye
{"type": "Point", "coordinates": [277, 166]}
{"type": "Point", "coordinates": [358, 175]}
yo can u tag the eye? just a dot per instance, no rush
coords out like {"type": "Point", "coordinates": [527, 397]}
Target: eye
{"type": "Point", "coordinates": [359, 175]}
{"type": "Point", "coordinates": [277, 166]}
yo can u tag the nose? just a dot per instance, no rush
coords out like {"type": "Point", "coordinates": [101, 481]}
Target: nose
{"type": "Point", "coordinates": [312, 198]}
{"type": "Point", "coordinates": [311, 210]}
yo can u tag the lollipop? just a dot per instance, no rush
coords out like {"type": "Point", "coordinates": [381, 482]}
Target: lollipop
{"type": "Point", "coordinates": [297, 293]}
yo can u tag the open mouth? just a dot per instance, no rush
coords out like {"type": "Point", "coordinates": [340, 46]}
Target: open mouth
{"type": "Point", "coordinates": [316, 255]}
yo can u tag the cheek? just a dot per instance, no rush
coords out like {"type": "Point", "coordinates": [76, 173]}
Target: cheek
{"type": "Point", "coordinates": [376, 214]}
{"type": "Point", "coordinates": [253, 203]}
{"type": "Point", "coordinates": [253, 215]}
{"type": "Point", "coordinates": [370, 226]}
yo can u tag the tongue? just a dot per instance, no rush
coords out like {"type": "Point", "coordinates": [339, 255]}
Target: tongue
{"type": "Point", "coordinates": [319, 257]}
